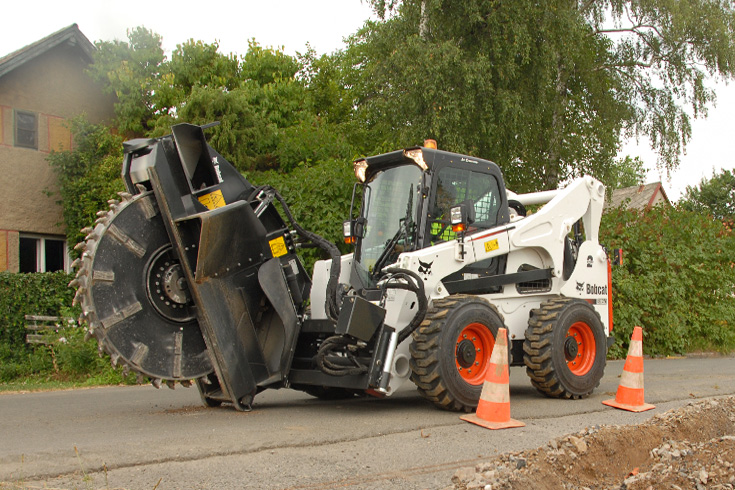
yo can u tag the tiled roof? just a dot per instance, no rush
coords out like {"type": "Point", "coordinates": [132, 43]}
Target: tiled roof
{"type": "Point", "coordinates": [637, 196]}
{"type": "Point", "coordinates": [69, 35]}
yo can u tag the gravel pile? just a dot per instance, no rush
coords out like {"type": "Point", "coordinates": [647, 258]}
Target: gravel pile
{"type": "Point", "coordinates": [689, 448]}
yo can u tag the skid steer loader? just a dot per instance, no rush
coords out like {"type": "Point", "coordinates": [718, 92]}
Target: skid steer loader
{"type": "Point", "coordinates": [193, 277]}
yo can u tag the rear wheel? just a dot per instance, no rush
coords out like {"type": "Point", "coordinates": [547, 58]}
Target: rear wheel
{"type": "Point", "coordinates": [450, 353]}
{"type": "Point", "coordinates": [565, 348]}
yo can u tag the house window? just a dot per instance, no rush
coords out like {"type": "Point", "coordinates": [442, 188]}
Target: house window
{"type": "Point", "coordinates": [42, 254]}
{"type": "Point", "coordinates": [26, 130]}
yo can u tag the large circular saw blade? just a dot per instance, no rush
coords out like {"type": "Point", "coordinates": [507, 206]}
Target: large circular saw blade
{"type": "Point", "coordinates": [134, 294]}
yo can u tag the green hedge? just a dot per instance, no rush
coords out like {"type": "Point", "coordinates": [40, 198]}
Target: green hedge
{"type": "Point", "coordinates": [31, 294]}
{"type": "Point", "coordinates": [67, 357]}
{"type": "Point", "coordinates": [677, 280]}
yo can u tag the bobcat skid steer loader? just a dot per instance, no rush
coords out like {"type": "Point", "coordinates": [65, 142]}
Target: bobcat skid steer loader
{"type": "Point", "coordinates": [193, 277]}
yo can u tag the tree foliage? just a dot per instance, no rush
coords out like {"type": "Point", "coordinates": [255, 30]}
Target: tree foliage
{"type": "Point", "coordinates": [547, 89]}
{"type": "Point", "coordinates": [131, 70]}
{"type": "Point", "coordinates": [677, 280]}
{"type": "Point", "coordinates": [714, 196]}
{"type": "Point", "coordinates": [267, 116]}
{"type": "Point", "coordinates": [89, 176]}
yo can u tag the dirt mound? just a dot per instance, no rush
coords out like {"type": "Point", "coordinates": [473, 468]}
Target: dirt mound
{"type": "Point", "coordinates": [692, 447]}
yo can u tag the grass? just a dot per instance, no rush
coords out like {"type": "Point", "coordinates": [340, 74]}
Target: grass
{"type": "Point", "coordinates": [46, 382]}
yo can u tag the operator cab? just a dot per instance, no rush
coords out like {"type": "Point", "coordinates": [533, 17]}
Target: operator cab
{"type": "Point", "coordinates": [406, 200]}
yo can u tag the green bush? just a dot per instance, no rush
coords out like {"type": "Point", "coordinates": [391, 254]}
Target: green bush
{"type": "Point", "coordinates": [31, 294]}
{"type": "Point", "coordinates": [677, 280]}
{"type": "Point", "coordinates": [66, 356]}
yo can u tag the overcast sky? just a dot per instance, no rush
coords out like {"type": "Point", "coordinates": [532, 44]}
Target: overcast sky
{"type": "Point", "coordinates": [292, 24]}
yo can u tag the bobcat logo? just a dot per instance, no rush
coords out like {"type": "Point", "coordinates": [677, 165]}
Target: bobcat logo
{"type": "Point", "coordinates": [580, 286]}
{"type": "Point", "coordinates": [425, 268]}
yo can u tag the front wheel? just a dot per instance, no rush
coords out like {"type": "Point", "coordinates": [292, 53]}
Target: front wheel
{"type": "Point", "coordinates": [565, 348]}
{"type": "Point", "coordinates": [450, 352]}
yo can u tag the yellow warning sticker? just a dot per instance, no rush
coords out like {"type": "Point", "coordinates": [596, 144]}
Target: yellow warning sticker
{"type": "Point", "coordinates": [278, 246]}
{"type": "Point", "coordinates": [491, 245]}
{"type": "Point", "coordinates": [213, 200]}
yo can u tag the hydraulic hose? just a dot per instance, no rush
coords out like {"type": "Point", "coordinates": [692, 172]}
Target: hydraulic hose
{"type": "Point", "coordinates": [328, 366]}
{"type": "Point", "coordinates": [331, 306]}
{"type": "Point", "coordinates": [416, 285]}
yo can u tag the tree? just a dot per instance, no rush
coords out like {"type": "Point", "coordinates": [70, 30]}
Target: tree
{"type": "Point", "coordinates": [625, 172]}
{"type": "Point", "coordinates": [714, 196]}
{"type": "Point", "coordinates": [266, 112]}
{"type": "Point", "coordinates": [547, 89]}
{"type": "Point", "coordinates": [132, 70]}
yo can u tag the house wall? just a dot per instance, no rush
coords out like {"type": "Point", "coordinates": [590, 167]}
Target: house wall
{"type": "Point", "coordinates": [55, 87]}
{"type": "Point", "coordinates": [9, 242]}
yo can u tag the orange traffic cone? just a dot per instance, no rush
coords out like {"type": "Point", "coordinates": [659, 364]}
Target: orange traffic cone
{"type": "Point", "coordinates": [630, 390]}
{"type": "Point", "coordinates": [493, 411]}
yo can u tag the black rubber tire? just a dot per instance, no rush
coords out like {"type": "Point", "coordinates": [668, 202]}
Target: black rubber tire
{"type": "Point", "coordinates": [545, 353]}
{"type": "Point", "coordinates": [433, 362]}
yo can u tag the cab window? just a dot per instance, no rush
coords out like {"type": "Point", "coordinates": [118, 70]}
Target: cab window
{"type": "Point", "coordinates": [456, 185]}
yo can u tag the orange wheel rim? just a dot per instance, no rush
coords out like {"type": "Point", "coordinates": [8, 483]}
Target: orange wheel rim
{"type": "Point", "coordinates": [472, 352]}
{"type": "Point", "coordinates": [580, 349]}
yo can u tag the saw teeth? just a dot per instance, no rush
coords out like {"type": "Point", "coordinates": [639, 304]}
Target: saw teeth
{"type": "Point", "coordinates": [171, 384]}
{"type": "Point", "coordinates": [113, 202]}
{"type": "Point", "coordinates": [80, 246]}
{"type": "Point", "coordinates": [80, 283]}
{"type": "Point", "coordinates": [88, 335]}
{"type": "Point", "coordinates": [139, 378]}
{"type": "Point", "coordinates": [156, 382]}
{"type": "Point", "coordinates": [186, 383]}
{"type": "Point", "coordinates": [114, 359]}
{"type": "Point", "coordinates": [205, 380]}
{"type": "Point", "coordinates": [102, 213]}
{"type": "Point", "coordinates": [141, 188]}
{"type": "Point", "coordinates": [126, 196]}
{"type": "Point", "coordinates": [101, 221]}
{"type": "Point", "coordinates": [86, 230]}
{"type": "Point", "coordinates": [76, 264]}
{"type": "Point", "coordinates": [125, 371]}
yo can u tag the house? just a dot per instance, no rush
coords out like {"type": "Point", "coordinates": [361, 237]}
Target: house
{"type": "Point", "coordinates": [641, 197]}
{"type": "Point", "coordinates": [42, 86]}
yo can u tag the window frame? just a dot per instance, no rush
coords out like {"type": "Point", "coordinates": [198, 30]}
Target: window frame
{"type": "Point", "coordinates": [16, 128]}
{"type": "Point", "coordinates": [41, 250]}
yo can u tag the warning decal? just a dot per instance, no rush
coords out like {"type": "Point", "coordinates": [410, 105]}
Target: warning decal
{"type": "Point", "coordinates": [213, 200]}
{"type": "Point", "coordinates": [491, 245]}
{"type": "Point", "coordinates": [278, 246]}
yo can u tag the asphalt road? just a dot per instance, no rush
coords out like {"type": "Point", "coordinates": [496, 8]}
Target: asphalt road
{"type": "Point", "coordinates": [139, 437]}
